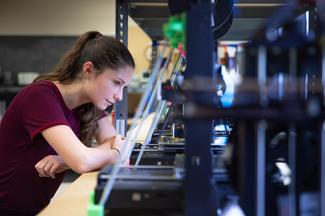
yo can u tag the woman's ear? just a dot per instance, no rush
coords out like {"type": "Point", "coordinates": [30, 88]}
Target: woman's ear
{"type": "Point", "coordinates": [88, 70]}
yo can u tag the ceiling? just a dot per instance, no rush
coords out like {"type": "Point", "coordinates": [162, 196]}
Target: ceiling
{"type": "Point", "coordinates": [248, 16]}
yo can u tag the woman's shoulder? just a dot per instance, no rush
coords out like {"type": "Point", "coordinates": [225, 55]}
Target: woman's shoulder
{"type": "Point", "coordinates": [40, 86]}
{"type": "Point", "coordinates": [39, 90]}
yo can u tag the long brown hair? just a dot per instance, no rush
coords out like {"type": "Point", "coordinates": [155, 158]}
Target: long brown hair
{"type": "Point", "coordinates": [104, 52]}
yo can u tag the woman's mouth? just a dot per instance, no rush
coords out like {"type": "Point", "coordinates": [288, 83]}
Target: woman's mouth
{"type": "Point", "coordinates": [110, 103]}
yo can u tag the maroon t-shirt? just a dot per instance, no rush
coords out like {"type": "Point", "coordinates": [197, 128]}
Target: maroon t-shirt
{"type": "Point", "coordinates": [36, 107]}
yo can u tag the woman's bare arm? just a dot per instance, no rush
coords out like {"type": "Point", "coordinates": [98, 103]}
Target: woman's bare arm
{"type": "Point", "coordinates": [75, 154]}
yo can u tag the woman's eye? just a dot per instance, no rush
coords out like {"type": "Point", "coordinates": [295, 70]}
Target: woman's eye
{"type": "Point", "coordinates": [117, 82]}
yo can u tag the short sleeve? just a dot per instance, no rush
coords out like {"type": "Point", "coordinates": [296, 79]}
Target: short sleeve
{"type": "Point", "coordinates": [103, 114]}
{"type": "Point", "coordinates": [42, 108]}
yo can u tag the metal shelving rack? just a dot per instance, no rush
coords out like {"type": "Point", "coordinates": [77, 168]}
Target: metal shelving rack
{"type": "Point", "coordinates": [198, 184]}
{"type": "Point", "coordinates": [121, 29]}
{"type": "Point", "coordinates": [199, 190]}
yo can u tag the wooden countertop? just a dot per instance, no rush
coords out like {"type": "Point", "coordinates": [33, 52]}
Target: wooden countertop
{"type": "Point", "coordinates": [75, 199]}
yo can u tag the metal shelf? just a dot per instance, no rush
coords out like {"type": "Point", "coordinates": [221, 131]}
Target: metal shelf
{"type": "Point", "coordinates": [249, 15]}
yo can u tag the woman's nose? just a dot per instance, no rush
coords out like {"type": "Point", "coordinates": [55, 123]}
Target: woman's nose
{"type": "Point", "coordinates": [119, 95]}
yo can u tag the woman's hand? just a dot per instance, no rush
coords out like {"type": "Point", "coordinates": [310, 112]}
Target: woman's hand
{"type": "Point", "coordinates": [50, 165]}
{"type": "Point", "coordinates": [116, 144]}
{"type": "Point", "coordinates": [120, 143]}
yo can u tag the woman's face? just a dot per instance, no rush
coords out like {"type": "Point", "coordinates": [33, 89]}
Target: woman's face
{"type": "Point", "coordinates": [106, 88]}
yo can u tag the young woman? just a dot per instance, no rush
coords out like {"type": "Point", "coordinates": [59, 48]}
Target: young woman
{"type": "Point", "coordinates": [50, 124]}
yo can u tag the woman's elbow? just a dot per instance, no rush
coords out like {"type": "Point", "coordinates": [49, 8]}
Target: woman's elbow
{"type": "Point", "coordinates": [81, 168]}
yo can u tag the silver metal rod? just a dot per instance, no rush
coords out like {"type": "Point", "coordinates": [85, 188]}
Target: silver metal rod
{"type": "Point", "coordinates": [280, 86]}
{"type": "Point", "coordinates": [307, 14]}
{"type": "Point", "coordinates": [262, 74]}
{"type": "Point", "coordinates": [306, 86]}
{"type": "Point", "coordinates": [176, 68]}
{"type": "Point", "coordinates": [292, 163]}
{"type": "Point", "coordinates": [260, 174]}
{"type": "Point", "coordinates": [122, 126]}
{"type": "Point", "coordinates": [161, 106]}
{"type": "Point", "coordinates": [262, 66]}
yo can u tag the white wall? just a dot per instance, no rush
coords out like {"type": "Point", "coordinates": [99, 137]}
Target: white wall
{"type": "Point", "coordinates": [58, 17]}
